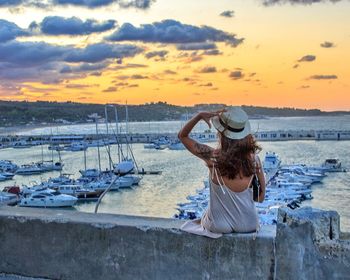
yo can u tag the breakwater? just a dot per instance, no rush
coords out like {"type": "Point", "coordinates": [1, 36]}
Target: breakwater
{"type": "Point", "coordinates": [55, 244]}
{"type": "Point", "coordinates": [280, 135]}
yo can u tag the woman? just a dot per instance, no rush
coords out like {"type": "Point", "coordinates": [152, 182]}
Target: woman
{"type": "Point", "coordinates": [232, 166]}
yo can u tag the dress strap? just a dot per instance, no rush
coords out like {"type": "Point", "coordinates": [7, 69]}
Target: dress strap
{"type": "Point", "coordinates": [220, 182]}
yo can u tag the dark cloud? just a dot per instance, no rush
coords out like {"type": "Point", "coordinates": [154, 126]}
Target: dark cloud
{"type": "Point", "coordinates": [303, 87]}
{"type": "Point", "coordinates": [207, 69]}
{"type": "Point", "coordinates": [9, 31]}
{"type": "Point", "coordinates": [236, 75]}
{"type": "Point", "coordinates": [324, 77]}
{"type": "Point", "coordinates": [138, 77]}
{"type": "Point", "coordinates": [302, 2]}
{"type": "Point", "coordinates": [160, 54]}
{"type": "Point", "coordinates": [110, 89]}
{"type": "Point", "coordinates": [9, 3]}
{"type": "Point", "coordinates": [327, 44]}
{"type": "Point", "coordinates": [139, 4]}
{"type": "Point", "coordinates": [196, 46]}
{"type": "Point", "coordinates": [91, 4]}
{"type": "Point", "coordinates": [77, 86]}
{"type": "Point", "coordinates": [173, 32]}
{"type": "Point", "coordinates": [39, 61]}
{"type": "Point", "coordinates": [101, 51]}
{"type": "Point", "coordinates": [206, 85]}
{"type": "Point", "coordinates": [55, 25]}
{"type": "Point", "coordinates": [228, 14]}
{"type": "Point", "coordinates": [26, 54]}
{"type": "Point", "coordinates": [212, 52]}
{"type": "Point", "coordinates": [83, 67]}
{"type": "Point", "coordinates": [307, 58]}
{"type": "Point", "coordinates": [296, 66]}
{"type": "Point", "coordinates": [169, 72]}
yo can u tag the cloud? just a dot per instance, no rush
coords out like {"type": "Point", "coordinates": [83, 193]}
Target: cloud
{"type": "Point", "coordinates": [323, 77]}
{"type": "Point", "coordinates": [160, 54]}
{"type": "Point", "coordinates": [139, 4]}
{"type": "Point", "coordinates": [55, 25]}
{"type": "Point", "coordinates": [206, 85]}
{"type": "Point", "coordinates": [196, 46]}
{"type": "Point", "coordinates": [77, 86]}
{"type": "Point", "coordinates": [110, 89]}
{"type": "Point", "coordinates": [296, 66]}
{"type": "Point", "coordinates": [173, 32]}
{"type": "Point", "coordinates": [207, 69]}
{"type": "Point", "coordinates": [6, 3]}
{"type": "Point", "coordinates": [327, 44]}
{"type": "Point", "coordinates": [83, 67]}
{"type": "Point", "coordinates": [212, 52]}
{"type": "Point", "coordinates": [101, 51]}
{"type": "Point", "coordinates": [46, 63]}
{"type": "Point", "coordinates": [138, 77]}
{"type": "Point", "coordinates": [90, 4]}
{"type": "Point", "coordinates": [303, 87]}
{"type": "Point", "coordinates": [236, 75]}
{"type": "Point", "coordinates": [296, 2]}
{"type": "Point", "coordinates": [169, 72]}
{"type": "Point", "coordinates": [307, 58]}
{"type": "Point", "coordinates": [228, 14]}
{"type": "Point", "coordinates": [24, 54]}
{"type": "Point", "coordinates": [9, 31]}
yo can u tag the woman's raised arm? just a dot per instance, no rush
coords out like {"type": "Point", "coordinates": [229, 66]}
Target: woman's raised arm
{"type": "Point", "coordinates": [198, 149]}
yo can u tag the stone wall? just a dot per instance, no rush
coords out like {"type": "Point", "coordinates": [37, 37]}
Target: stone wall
{"type": "Point", "coordinates": [58, 244]}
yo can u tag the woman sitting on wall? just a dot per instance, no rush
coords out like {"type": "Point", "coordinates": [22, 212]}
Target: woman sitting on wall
{"type": "Point", "coordinates": [232, 167]}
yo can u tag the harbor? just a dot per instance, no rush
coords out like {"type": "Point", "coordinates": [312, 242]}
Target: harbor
{"type": "Point", "coordinates": [81, 141]}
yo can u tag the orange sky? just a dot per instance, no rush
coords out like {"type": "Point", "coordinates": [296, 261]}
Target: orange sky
{"type": "Point", "coordinates": [260, 71]}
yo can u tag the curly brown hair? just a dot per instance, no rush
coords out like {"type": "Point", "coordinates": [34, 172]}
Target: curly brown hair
{"type": "Point", "coordinates": [234, 157]}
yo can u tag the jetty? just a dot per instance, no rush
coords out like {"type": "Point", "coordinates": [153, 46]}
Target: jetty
{"type": "Point", "coordinates": [24, 141]}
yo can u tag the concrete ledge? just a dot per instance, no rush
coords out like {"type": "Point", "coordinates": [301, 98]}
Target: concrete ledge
{"type": "Point", "coordinates": [59, 244]}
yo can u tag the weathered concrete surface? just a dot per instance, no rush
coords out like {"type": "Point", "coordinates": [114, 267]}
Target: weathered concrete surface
{"type": "Point", "coordinates": [71, 245]}
{"type": "Point", "coordinates": [309, 245]}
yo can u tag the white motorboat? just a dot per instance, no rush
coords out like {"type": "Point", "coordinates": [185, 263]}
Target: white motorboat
{"type": "Point", "coordinates": [55, 147]}
{"type": "Point", "coordinates": [76, 147]}
{"type": "Point", "coordinates": [50, 166]}
{"type": "Point", "coordinates": [333, 165]}
{"type": "Point", "coordinates": [6, 176]}
{"type": "Point", "coordinates": [79, 192]}
{"type": "Point", "coordinates": [21, 145]}
{"type": "Point", "coordinates": [177, 146]}
{"type": "Point", "coordinates": [47, 199]}
{"type": "Point", "coordinates": [8, 166]}
{"type": "Point", "coordinates": [8, 198]}
{"type": "Point", "coordinates": [90, 173]}
{"type": "Point", "coordinates": [29, 169]}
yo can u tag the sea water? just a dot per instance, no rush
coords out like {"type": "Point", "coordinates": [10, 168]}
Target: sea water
{"type": "Point", "coordinates": [182, 173]}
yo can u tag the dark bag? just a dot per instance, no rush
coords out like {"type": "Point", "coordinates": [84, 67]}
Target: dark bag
{"type": "Point", "coordinates": [255, 185]}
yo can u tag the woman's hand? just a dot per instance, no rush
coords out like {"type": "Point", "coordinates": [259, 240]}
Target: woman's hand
{"type": "Point", "coordinates": [206, 116]}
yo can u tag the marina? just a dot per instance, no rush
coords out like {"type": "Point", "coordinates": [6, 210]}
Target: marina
{"type": "Point", "coordinates": [177, 174]}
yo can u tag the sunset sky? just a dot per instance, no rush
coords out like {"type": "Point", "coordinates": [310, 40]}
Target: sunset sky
{"type": "Point", "coordinates": [275, 53]}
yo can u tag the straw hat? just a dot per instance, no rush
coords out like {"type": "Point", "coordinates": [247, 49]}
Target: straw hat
{"type": "Point", "coordinates": [233, 123]}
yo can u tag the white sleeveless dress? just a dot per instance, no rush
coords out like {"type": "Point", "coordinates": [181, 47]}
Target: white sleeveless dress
{"type": "Point", "coordinates": [228, 212]}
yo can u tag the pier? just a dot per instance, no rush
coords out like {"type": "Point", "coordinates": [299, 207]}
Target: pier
{"type": "Point", "coordinates": [19, 141]}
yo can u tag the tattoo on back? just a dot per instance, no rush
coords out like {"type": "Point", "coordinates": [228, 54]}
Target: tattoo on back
{"type": "Point", "coordinates": [203, 150]}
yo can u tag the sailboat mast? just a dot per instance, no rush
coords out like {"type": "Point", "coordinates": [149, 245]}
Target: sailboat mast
{"type": "Point", "coordinates": [108, 146]}
{"type": "Point", "coordinates": [117, 131]}
{"type": "Point", "coordinates": [98, 146]}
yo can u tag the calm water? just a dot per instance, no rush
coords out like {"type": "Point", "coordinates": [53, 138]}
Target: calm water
{"type": "Point", "coordinates": [291, 123]}
{"type": "Point", "coordinates": [183, 173]}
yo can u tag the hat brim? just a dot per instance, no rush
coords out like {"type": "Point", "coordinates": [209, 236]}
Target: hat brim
{"type": "Point", "coordinates": [230, 134]}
